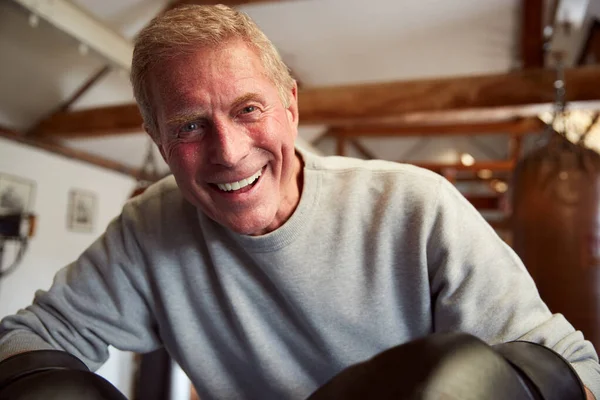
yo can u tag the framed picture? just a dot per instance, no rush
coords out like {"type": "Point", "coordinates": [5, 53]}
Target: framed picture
{"type": "Point", "coordinates": [16, 194]}
{"type": "Point", "coordinates": [82, 211]}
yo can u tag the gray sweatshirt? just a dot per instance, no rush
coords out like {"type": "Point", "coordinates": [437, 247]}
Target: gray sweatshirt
{"type": "Point", "coordinates": [376, 254]}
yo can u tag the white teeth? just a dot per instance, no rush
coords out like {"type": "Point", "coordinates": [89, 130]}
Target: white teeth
{"type": "Point", "coordinates": [239, 184]}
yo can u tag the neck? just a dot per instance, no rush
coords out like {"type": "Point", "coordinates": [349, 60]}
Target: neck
{"type": "Point", "coordinates": [290, 201]}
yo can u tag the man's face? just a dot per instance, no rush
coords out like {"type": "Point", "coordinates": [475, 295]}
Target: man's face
{"type": "Point", "coordinates": [227, 137]}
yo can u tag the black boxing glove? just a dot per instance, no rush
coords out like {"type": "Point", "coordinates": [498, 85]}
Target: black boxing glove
{"type": "Point", "coordinates": [457, 366]}
{"type": "Point", "coordinates": [52, 375]}
{"type": "Point", "coordinates": [546, 373]}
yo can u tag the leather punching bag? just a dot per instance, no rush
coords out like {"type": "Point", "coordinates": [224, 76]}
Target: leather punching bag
{"type": "Point", "coordinates": [556, 229]}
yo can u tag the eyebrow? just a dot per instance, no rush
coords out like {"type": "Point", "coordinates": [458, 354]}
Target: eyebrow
{"type": "Point", "coordinates": [245, 98]}
{"type": "Point", "coordinates": [186, 116]}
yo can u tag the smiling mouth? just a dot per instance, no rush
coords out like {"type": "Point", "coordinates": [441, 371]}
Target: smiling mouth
{"type": "Point", "coordinates": [239, 186]}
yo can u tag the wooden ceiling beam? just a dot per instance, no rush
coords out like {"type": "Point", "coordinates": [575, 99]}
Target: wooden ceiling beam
{"type": "Point", "coordinates": [93, 122]}
{"type": "Point", "coordinates": [492, 97]}
{"type": "Point", "coordinates": [64, 107]}
{"type": "Point", "coordinates": [56, 148]}
{"type": "Point", "coordinates": [518, 126]}
{"type": "Point", "coordinates": [385, 102]}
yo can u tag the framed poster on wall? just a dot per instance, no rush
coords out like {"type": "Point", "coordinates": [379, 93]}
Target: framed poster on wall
{"type": "Point", "coordinates": [16, 194]}
{"type": "Point", "coordinates": [81, 215]}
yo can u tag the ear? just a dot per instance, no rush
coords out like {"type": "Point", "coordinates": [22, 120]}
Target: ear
{"type": "Point", "coordinates": [155, 136]}
{"type": "Point", "coordinates": [292, 109]}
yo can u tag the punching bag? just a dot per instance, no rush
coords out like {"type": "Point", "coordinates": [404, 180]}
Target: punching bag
{"type": "Point", "coordinates": [556, 229]}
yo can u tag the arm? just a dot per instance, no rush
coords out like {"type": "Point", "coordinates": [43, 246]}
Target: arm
{"type": "Point", "coordinates": [480, 286]}
{"type": "Point", "coordinates": [97, 301]}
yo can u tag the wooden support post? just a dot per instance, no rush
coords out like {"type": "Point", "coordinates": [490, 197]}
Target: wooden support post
{"type": "Point", "coordinates": [532, 37]}
{"type": "Point", "coordinates": [515, 146]}
{"type": "Point", "coordinates": [340, 146]}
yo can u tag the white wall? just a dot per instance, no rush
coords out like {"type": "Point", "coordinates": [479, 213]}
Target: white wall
{"type": "Point", "coordinates": [53, 246]}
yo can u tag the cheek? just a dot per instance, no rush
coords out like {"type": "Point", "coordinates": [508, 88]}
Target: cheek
{"type": "Point", "coordinates": [276, 134]}
{"type": "Point", "coordinates": [183, 156]}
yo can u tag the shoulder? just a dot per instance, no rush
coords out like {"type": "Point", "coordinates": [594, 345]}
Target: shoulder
{"type": "Point", "coordinates": [379, 175]}
{"type": "Point", "coordinates": [161, 201]}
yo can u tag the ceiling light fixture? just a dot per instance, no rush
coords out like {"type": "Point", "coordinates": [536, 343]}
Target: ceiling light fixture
{"type": "Point", "coordinates": [467, 160]}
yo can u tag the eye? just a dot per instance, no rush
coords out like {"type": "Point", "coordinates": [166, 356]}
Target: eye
{"type": "Point", "coordinates": [190, 127]}
{"type": "Point", "coordinates": [190, 130]}
{"type": "Point", "coordinates": [249, 109]}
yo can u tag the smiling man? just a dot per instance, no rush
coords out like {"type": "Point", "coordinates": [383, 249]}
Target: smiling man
{"type": "Point", "coordinates": [222, 127]}
{"type": "Point", "coordinates": [265, 270]}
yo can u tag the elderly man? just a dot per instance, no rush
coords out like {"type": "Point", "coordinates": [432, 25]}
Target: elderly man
{"type": "Point", "coordinates": [264, 270]}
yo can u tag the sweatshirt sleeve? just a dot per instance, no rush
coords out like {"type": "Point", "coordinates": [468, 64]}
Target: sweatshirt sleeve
{"type": "Point", "coordinates": [101, 299]}
{"type": "Point", "coordinates": [480, 286]}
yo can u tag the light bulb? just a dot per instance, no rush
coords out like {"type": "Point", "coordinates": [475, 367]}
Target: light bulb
{"type": "Point", "coordinates": [500, 186]}
{"type": "Point", "coordinates": [467, 159]}
{"type": "Point", "coordinates": [484, 173]}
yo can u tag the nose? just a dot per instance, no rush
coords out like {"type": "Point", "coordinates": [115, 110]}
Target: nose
{"type": "Point", "coordinates": [229, 143]}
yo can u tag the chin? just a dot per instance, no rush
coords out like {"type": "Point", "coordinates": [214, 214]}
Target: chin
{"type": "Point", "coordinates": [251, 228]}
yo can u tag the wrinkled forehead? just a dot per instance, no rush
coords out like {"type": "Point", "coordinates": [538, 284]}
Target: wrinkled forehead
{"type": "Point", "coordinates": [208, 78]}
{"type": "Point", "coordinates": [185, 69]}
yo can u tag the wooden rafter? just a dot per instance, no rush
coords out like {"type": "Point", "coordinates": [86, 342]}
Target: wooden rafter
{"type": "Point", "coordinates": [94, 122]}
{"type": "Point", "coordinates": [519, 126]}
{"type": "Point", "coordinates": [515, 146]}
{"type": "Point", "coordinates": [64, 107]}
{"type": "Point", "coordinates": [56, 148]}
{"type": "Point", "coordinates": [384, 103]}
{"type": "Point", "coordinates": [532, 38]}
